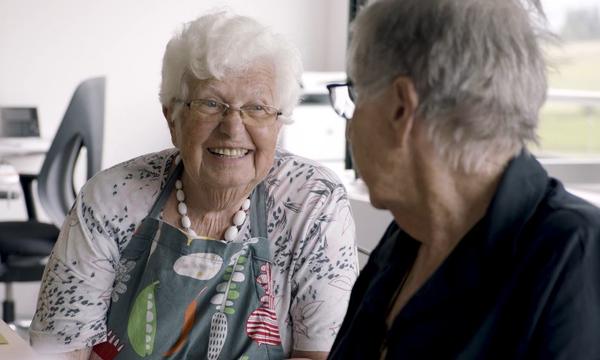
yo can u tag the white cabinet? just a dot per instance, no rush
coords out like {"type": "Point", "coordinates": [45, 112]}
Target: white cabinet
{"type": "Point", "coordinates": [317, 133]}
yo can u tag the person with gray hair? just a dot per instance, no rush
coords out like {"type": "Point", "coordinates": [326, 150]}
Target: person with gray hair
{"type": "Point", "coordinates": [223, 247]}
{"type": "Point", "coordinates": [487, 256]}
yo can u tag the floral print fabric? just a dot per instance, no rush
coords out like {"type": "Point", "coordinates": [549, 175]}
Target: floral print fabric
{"type": "Point", "coordinates": [312, 245]}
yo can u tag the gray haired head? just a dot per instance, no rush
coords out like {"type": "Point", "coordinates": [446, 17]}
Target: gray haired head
{"type": "Point", "coordinates": [477, 67]}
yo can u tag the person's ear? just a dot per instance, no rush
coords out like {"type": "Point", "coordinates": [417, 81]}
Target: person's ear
{"type": "Point", "coordinates": [168, 114]}
{"type": "Point", "coordinates": [405, 101]}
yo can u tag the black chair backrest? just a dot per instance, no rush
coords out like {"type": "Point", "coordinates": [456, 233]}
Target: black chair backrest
{"type": "Point", "coordinates": [82, 126]}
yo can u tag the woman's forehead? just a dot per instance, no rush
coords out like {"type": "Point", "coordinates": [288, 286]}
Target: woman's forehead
{"type": "Point", "coordinates": [255, 81]}
{"type": "Point", "coordinates": [227, 86]}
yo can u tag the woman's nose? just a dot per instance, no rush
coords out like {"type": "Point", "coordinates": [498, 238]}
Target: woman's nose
{"type": "Point", "coordinates": [232, 121]}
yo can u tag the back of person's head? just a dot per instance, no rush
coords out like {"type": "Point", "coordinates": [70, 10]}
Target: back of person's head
{"type": "Point", "coordinates": [220, 43]}
{"type": "Point", "coordinates": [477, 67]}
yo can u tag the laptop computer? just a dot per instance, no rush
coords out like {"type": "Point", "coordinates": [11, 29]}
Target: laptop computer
{"type": "Point", "coordinates": [19, 122]}
{"type": "Point", "coordinates": [20, 131]}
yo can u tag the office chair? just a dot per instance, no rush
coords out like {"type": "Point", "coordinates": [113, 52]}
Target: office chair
{"type": "Point", "coordinates": [25, 245]}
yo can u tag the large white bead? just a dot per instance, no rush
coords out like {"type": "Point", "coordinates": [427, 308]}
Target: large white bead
{"type": "Point", "coordinates": [246, 205]}
{"type": "Point", "coordinates": [193, 233]}
{"type": "Point", "coordinates": [239, 217]}
{"type": "Point", "coordinates": [177, 159]}
{"type": "Point", "coordinates": [185, 221]}
{"type": "Point", "coordinates": [180, 195]}
{"type": "Point", "coordinates": [178, 185]}
{"type": "Point", "coordinates": [182, 208]}
{"type": "Point", "coordinates": [231, 233]}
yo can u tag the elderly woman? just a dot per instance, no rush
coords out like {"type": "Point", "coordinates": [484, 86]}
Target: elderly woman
{"type": "Point", "coordinates": [488, 257]}
{"type": "Point", "coordinates": [222, 248]}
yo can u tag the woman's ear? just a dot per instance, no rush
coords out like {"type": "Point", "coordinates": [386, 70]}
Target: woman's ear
{"type": "Point", "coordinates": [404, 101]}
{"type": "Point", "coordinates": [168, 114]}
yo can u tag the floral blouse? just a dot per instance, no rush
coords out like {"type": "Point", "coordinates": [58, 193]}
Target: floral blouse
{"type": "Point", "coordinates": [310, 227]}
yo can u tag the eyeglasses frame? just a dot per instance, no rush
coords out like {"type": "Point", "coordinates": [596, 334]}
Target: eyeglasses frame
{"type": "Point", "coordinates": [351, 94]}
{"type": "Point", "coordinates": [228, 107]}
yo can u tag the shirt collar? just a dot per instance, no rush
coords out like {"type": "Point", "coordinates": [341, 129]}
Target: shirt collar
{"type": "Point", "coordinates": [492, 242]}
{"type": "Point", "coordinates": [520, 191]}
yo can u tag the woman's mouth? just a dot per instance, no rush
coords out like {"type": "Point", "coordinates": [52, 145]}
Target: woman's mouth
{"type": "Point", "coordinates": [229, 152]}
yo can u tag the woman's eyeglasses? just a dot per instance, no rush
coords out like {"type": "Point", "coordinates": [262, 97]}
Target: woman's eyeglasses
{"type": "Point", "coordinates": [252, 114]}
{"type": "Point", "coordinates": [342, 97]}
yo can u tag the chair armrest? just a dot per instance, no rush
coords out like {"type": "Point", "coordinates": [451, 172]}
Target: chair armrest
{"type": "Point", "coordinates": [27, 185]}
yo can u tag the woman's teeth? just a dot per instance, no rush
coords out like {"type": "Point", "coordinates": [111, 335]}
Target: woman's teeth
{"type": "Point", "coordinates": [229, 152]}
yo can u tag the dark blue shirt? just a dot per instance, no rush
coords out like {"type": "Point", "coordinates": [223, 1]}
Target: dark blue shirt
{"type": "Point", "coordinates": [524, 283]}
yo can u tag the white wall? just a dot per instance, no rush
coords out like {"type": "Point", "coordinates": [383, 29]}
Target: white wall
{"type": "Point", "coordinates": [47, 47]}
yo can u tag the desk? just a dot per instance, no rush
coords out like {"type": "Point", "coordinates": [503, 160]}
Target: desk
{"type": "Point", "coordinates": [17, 348]}
{"type": "Point", "coordinates": [23, 146]}
{"type": "Point", "coordinates": [25, 154]}
{"type": "Point", "coordinates": [19, 156]}
{"type": "Point", "coordinates": [9, 181]}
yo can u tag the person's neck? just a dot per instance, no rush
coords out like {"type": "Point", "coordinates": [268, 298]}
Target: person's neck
{"type": "Point", "coordinates": [211, 209]}
{"type": "Point", "coordinates": [444, 204]}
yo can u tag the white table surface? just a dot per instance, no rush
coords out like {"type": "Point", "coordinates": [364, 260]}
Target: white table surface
{"type": "Point", "coordinates": [23, 146]}
{"type": "Point", "coordinates": [17, 348]}
{"type": "Point", "coordinates": [25, 154]}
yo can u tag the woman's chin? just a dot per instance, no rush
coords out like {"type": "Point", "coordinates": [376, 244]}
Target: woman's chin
{"type": "Point", "coordinates": [228, 178]}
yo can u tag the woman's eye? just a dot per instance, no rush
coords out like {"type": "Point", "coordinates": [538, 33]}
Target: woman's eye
{"type": "Point", "coordinates": [211, 103]}
{"type": "Point", "coordinates": [255, 107]}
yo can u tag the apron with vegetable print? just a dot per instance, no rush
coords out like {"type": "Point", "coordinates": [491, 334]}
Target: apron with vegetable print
{"type": "Point", "coordinates": [193, 299]}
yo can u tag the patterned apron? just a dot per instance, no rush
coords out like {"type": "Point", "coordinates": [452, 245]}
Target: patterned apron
{"type": "Point", "coordinates": [193, 299]}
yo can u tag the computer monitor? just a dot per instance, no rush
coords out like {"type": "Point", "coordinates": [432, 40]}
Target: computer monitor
{"type": "Point", "coordinates": [19, 122]}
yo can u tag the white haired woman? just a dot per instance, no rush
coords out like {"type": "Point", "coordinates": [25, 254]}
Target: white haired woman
{"type": "Point", "coordinates": [488, 257]}
{"type": "Point", "coordinates": [222, 248]}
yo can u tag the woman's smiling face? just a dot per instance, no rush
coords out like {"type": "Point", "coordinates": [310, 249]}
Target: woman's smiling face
{"type": "Point", "coordinates": [221, 151]}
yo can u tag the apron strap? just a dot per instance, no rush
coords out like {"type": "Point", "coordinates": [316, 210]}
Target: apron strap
{"type": "Point", "coordinates": [258, 212]}
{"type": "Point", "coordinates": [166, 191]}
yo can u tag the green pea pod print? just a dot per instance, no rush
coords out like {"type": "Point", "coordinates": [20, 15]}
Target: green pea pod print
{"type": "Point", "coordinates": [141, 327]}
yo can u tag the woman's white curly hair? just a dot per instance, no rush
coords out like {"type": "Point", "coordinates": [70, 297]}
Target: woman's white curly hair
{"type": "Point", "coordinates": [221, 42]}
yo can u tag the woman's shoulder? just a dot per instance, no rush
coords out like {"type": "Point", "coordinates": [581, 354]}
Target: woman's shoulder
{"type": "Point", "coordinates": [115, 200]}
{"type": "Point", "coordinates": [144, 173]}
{"type": "Point", "coordinates": [564, 220]}
{"type": "Point", "coordinates": [562, 234]}
{"type": "Point", "coordinates": [296, 174]}
{"type": "Point", "coordinates": [303, 194]}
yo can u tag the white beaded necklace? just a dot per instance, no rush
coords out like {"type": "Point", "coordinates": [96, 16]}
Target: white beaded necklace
{"type": "Point", "coordinates": [230, 234]}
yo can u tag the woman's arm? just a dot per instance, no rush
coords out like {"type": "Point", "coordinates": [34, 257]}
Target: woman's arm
{"type": "Point", "coordinates": [76, 288]}
{"type": "Point", "coordinates": [324, 265]}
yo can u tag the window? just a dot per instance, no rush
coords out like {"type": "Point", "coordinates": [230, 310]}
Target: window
{"type": "Point", "coordinates": [569, 126]}
{"type": "Point", "coordinates": [570, 121]}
